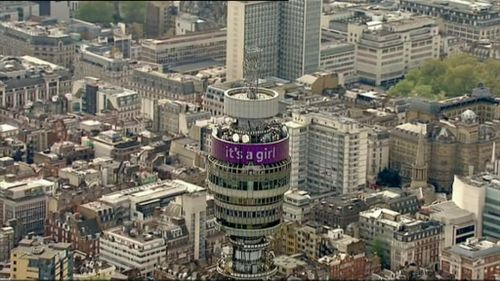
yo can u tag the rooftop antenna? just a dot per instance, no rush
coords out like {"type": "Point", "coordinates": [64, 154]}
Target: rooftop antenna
{"type": "Point", "coordinates": [251, 68]}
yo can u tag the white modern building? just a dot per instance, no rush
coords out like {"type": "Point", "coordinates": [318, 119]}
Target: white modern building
{"type": "Point", "coordinates": [297, 205]}
{"type": "Point", "coordinates": [385, 52]}
{"type": "Point", "coordinates": [328, 153]}
{"type": "Point", "coordinates": [127, 249]}
{"type": "Point", "coordinates": [126, 103]}
{"type": "Point", "coordinates": [26, 201]}
{"type": "Point", "coordinates": [458, 224]}
{"type": "Point", "coordinates": [469, 194]}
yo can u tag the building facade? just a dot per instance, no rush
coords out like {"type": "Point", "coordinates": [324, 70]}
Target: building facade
{"type": "Point", "coordinates": [280, 31]}
{"type": "Point", "coordinates": [468, 20]}
{"type": "Point", "coordinates": [26, 80]}
{"type": "Point", "coordinates": [27, 202]}
{"type": "Point", "coordinates": [34, 260]}
{"type": "Point", "coordinates": [185, 49]}
{"type": "Point", "coordinates": [474, 259]}
{"type": "Point", "coordinates": [335, 153]}
{"type": "Point", "coordinates": [385, 54]}
{"type": "Point", "coordinates": [49, 44]}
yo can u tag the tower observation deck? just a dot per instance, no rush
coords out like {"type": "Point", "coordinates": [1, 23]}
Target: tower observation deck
{"type": "Point", "coordinates": [248, 173]}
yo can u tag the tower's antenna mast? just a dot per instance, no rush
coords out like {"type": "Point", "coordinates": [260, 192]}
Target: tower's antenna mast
{"type": "Point", "coordinates": [251, 73]}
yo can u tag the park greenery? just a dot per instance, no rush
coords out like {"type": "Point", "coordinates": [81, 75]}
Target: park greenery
{"type": "Point", "coordinates": [450, 77]}
{"type": "Point", "coordinates": [106, 12]}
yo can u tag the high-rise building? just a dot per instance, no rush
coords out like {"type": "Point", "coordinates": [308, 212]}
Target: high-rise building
{"type": "Point", "coordinates": [248, 172]}
{"type": "Point", "coordinates": [287, 34]}
{"type": "Point", "coordinates": [328, 153]}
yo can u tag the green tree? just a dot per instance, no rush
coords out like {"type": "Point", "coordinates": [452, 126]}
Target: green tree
{"type": "Point", "coordinates": [378, 248]}
{"type": "Point", "coordinates": [403, 88]}
{"type": "Point", "coordinates": [388, 177]}
{"type": "Point", "coordinates": [95, 11]}
{"type": "Point", "coordinates": [424, 91]}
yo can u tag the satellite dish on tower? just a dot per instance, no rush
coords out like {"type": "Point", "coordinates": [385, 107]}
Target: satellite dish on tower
{"type": "Point", "coordinates": [236, 138]}
{"type": "Point", "coordinates": [245, 139]}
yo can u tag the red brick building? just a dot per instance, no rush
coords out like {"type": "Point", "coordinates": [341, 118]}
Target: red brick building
{"type": "Point", "coordinates": [472, 260]}
{"type": "Point", "coordinates": [71, 228]}
{"type": "Point", "coordinates": [349, 267]}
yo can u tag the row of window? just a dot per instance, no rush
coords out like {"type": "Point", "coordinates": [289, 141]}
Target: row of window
{"type": "Point", "coordinates": [248, 185]}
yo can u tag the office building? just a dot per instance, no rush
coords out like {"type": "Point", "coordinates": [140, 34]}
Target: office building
{"type": "Point", "coordinates": [125, 103]}
{"type": "Point", "coordinates": [458, 224]}
{"type": "Point", "coordinates": [204, 47]}
{"type": "Point", "coordinates": [36, 261]}
{"type": "Point", "coordinates": [393, 199]}
{"type": "Point", "coordinates": [419, 243]}
{"type": "Point", "coordinates": [385, 53]}
{"type": "Point", "coordinates": [479, 194]}
{"type": "Point", "coordinates": [248, 172]}
{"type": "Point", "coordinates": [105, 62]}
{"type": "Point", "coordinates": [300, 38]}
{"type": "Point", "coordinates": [129, 249]}
{"type": "Point", "coordinates": [26, 80]}
{"type": "Point", "coordinates": [377, 226]}
{"type": "Point", "coordinates": [338, 212]}
{"type": "Point", "coordinates": [160, 19]}
{"type": "Point", "coordinates": [332, 153]}
{"type": "Point", "coordinates": [113, 144]}
{"type": "Point", "coordinates": [287, 34]}
{"type": "Point", "coordinates": [176, 117]}
{"type": "Point", "coordinates": [31, 39]}
{"type": "Point", "coordinates": [27, 202]}
{"type": "Point", "coordinates": [152, 84]}
{"type": "Point", "coordinates": [474, 259]}
{"type": "Point", "coordinates": [297, 206]}
{"type": "Point", "coordinates": [83, 235]}
{"type": "Point", "coordinates": [468, 20]}
{"type": "Point", "coordinates": [469, 193]}
{"type": "Point", "coordinates": [340, 59]}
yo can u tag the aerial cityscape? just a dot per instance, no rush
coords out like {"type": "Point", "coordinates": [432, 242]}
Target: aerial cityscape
{"type": "Point", "coordinates": [250, 140]}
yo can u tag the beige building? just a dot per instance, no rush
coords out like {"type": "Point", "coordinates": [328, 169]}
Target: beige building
{"type": "Point", "coordinates": [36, 261]}
{"type": "Point", "coordinates": [451, 147]}
{"type": "Point", "coordinates": [28, 79]}
{"type": "Point", "coordinates": [340, 59]}
{"type": "Point", "coordinates": [44, 42]}
{"type": "Point", "coordinates": [385, 52]}
{"type": "Point", "coordinates": [468, 20]}
{"type": "Point", "coordinates": [458, 224]}
{"type": "Point", "coordinates": [188, 48]}
{"type": "Point", "coordinates": [328, 153]}
{"type": "Point", "coordinates": [472, 260]}
{"type": "Point", "coordinates": [109, 65]}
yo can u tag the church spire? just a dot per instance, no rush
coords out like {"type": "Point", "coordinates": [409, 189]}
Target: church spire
{"type": "Point", "coordinates": [419, 168]}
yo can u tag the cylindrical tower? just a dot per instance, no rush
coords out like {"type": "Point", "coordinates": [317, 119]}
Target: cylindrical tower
{"type": "Point", "coordinates": [248, 173]}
